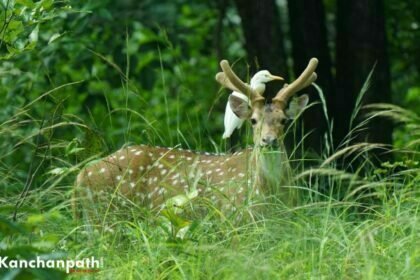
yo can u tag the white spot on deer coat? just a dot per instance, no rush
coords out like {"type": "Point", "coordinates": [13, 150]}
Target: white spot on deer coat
{"type": "Point", "coordinates": [122, 157]}
{"type": "Point", "coordinates": [102, 170]}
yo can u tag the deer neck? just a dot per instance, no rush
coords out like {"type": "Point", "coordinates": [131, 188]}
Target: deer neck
{"type": "Point", "coordinates": [273, 167]}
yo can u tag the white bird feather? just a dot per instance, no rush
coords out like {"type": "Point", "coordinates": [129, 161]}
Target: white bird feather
{"type": "Point", "coordinates": [258, 82]}
{"type": "Point", "coordinates": [231, 120]}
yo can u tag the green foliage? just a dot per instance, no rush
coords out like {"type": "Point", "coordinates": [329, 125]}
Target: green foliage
{"type": "Point", "coordinates": [403, 27]}
{"type": "Point", "coordinates": [143, 83]}
{"type": "Point", "coordinates": [21, 23]}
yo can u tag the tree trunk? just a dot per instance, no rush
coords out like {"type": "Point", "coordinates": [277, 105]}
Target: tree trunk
{"type": "Point", "coordinates": [309, 39]}
{"type": "Point", "coordinates": [263, 36]}
{"type": "Point", "coordinates": [361, 42]}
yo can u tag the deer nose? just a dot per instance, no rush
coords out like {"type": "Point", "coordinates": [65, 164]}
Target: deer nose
{"type": "Point", "coordinates": [269, 140]}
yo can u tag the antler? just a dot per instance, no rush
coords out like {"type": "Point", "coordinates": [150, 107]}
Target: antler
{"type": "Point", "coordinates": [305, 79]}
{"type": "Point", "coordinates": [231, 80]}
{"type": "Point", "coordinates": [224, 81]}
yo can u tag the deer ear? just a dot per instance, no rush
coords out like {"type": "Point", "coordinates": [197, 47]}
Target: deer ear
{"type": "Point", "coordinates": [240, 107]}
{"type": "Point", "coordinates": [296, 106]}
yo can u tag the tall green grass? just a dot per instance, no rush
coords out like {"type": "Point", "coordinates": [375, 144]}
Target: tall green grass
{"type": "Point", "coordinates": [344, 225]}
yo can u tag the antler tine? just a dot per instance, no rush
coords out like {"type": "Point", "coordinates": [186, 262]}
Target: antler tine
{"type": "Point", "coordinates": [305, 79]}
{"type": "Point", "coordinates": [238, 83]}
{"type": "Point", "coordinates": [308, 82]}
{"type": "Point", "coordinates": [222, 79]}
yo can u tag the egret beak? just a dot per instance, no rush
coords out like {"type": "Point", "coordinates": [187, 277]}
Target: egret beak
{"type": "Point", "coordinates": [272, 77]}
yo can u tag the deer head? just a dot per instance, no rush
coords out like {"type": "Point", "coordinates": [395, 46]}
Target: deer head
{"type": "Point", "coordinates": [268, 119]}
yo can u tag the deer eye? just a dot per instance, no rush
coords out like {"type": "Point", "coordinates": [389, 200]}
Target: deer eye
{"type": "Point", "coordinates": [283, 121]}
{"type": "Point", "coordinates": [253, 121]}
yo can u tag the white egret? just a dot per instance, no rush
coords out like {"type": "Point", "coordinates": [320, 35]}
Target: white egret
{"type": "Point", "coordinates": [258, 82]}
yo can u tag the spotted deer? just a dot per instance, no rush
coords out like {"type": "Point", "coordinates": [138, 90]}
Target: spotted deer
{"type": "Point", "coordinates": [149, 176]}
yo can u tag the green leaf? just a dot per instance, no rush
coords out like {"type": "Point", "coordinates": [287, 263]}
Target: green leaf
{"type": "Point", "coordinates": [33, 37]}
{"type": "Point", "coordinates": [54, 37]}
{"type": "Point", "coordinates": [9, 228]}
{"type": "Point", "coordinates": [37, 219]}
{"type": "Point", "coordinates": [58, 171]}
{"type": "Point", "coordinates": [46, 4]}
{"type": "Point", "coordinates": [26, 3]}
{"type": "Point", "coordinates": [413, 94]}
{"type": "Point", "coordinates": [177, 221]}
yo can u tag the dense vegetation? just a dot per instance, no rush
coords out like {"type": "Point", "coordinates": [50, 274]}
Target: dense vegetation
{"type": "Point", "coordinates": [79, 80]}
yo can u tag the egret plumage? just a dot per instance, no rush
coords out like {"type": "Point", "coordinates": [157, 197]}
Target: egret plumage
{"type": "Point", "coordinates": [257, 83]}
